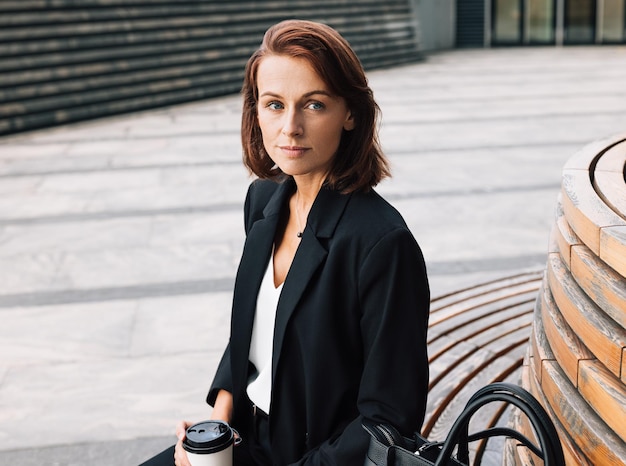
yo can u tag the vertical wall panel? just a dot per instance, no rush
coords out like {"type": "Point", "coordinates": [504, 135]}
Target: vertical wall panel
{"type": "Point", "coordinates": [470, 26]}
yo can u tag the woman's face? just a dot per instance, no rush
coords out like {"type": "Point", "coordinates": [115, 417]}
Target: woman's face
{"type": "Point", "coordinates": [300, 120]}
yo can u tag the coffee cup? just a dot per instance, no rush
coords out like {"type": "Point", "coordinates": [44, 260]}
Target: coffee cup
{"type": "Point", "coordinates": [209, 443]}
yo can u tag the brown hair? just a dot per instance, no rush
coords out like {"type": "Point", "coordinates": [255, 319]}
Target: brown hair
{"type": "Point", "coordinates": [360, 163]}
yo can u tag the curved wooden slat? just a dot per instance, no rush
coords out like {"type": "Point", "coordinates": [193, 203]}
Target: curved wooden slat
{"type": "Point", "coordinates": [477, 320]}
{"type": "Point", "coordinates": [600, 334]}
{"type": "Point", "coordinates": [602, 284]}
{"type": "Point", "coordinates": [565, 236]}
{"type": "Point", "coordinates": [605, 393]}
{"type": "Point", "coordinates": [539, 349]}
{"type": "Point", "coordinates": [566, 346]}
{"type": "Point", "coordinates": [577, 355]}
{"type": "Point", "coordinates": [613, 248]}
{"type": "Point", "coordinates": [613, 159]}
{"type": "Point", "coordinates": [478, 332]}
{"type": "Point", "coordinates": [594, 438]}
{"type": "Point", "coordinates": [469, 376]}
{"type": "Point", "coordinates": [586, 212]}
{"type": "Point", "coordinates": [477, 335]}
{"type": "Point", "coordinates": [457, 303]}
{"type": "Point", "coordinates": [610, 188]}
{"type": "Point", "coordinates": [586, 157]}
{"type": "Point", "coordinates": [571, 451]}
{"type": "Point", "coordinates": [553, 240]}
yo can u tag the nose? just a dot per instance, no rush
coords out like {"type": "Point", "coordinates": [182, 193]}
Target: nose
{"type": "Point", "coordinates": [292, 123]}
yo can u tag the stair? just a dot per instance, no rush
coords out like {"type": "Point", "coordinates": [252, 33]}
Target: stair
{"type": "Point", "coordinates": [63, 61]}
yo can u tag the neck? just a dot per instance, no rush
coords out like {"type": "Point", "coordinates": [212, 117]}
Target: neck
{"type": "Point", "coordinates": [307, 190]}
{"type": "Point", "coordinates": [303, 200]}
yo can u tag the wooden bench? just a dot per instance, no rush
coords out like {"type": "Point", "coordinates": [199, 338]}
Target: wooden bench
{"type": "Point", "coordinates": [476, 336]}
{"type": "Point", "coordinates": [576, 364]}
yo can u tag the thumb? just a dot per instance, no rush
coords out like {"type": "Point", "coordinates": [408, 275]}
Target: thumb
{"type": "Point", "coordinates": [181, 429]}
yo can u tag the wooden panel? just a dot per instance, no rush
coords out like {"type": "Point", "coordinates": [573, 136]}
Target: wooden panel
{"type": "Point", "coordinates": [566, 346]}
{"type": "Point", "coordinates": [540, 347]}
{"type": "Point", "coordinates": [509, 455]}
{"type": "Point", "coordinates": [477, 335]}
{"type": "Point", "coordinates": [613, 248]}
{"type": "Point", "coordinates": [524, 425]}
{"type": "Point", "coordinates": [553, 240]}
{"type": "Point", "coordinates": [527, 457]}
{"type": "Point", "coordinates": [571, 452]}
{"type": "Point", "coordinates": [611, 187]}
{"type": "Point", "coordinates": [479, 318]}
{"type": "Point", "coordinates": [594, 438]}
{"type": "Point", "coordinates": [586, 157]}
{"type": "Point", "coordinates": [602, 284]}
{"type": "Point", "coordinates": [585, 211]}
{"type": "Point", "coordinates": [457, 302]}
{"type": "Point", "coordinates": [613, 160]}
{"type": "Point", "coordinates": [602, 335]}
{"type": "Point", "coordinates": [479, 367]}
{"type": "Point", "coordinates": [565, 236]}
{"type": "Point", "coordinates": [480, 332]}
{"type": "Point", "coordinates": [605, 393]}
{"type": "Point", "coordinates": [583, 309]}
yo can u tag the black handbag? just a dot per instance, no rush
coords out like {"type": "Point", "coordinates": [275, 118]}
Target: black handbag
{"type": "Point", "coordinates": [389, 448]}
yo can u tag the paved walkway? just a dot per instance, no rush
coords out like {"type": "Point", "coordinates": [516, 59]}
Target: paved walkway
{"type": "Point", "coordinates": [119, 239]}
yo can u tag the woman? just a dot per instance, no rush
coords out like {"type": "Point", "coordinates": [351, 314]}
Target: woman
{"type": "Point", "coordinates": [331, 298]}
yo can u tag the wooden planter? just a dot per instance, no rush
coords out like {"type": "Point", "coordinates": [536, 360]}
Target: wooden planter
{"type": "Point", "coordinates": [576, 361]}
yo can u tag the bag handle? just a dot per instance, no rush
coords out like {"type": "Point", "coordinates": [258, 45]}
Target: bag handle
{"type": "Point", "coordinates": [487, 434]}
{"type": "Point", "coordinates": [551, 449]}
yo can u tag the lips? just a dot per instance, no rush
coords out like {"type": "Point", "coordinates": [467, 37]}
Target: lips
{"type": "Point", "coordinates": [293, 151]}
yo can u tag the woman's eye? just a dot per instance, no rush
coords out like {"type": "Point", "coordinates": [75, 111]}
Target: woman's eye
{"type": "Point", "coordinates": [274, 106]}
{"type": "Point", "coordinates": [316, 105]}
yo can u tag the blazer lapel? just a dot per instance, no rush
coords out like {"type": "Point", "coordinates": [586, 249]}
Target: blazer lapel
{"type": "Point", "coordinates": [321, 223]}
{"type": "Point", "coordinates": [256, 254]}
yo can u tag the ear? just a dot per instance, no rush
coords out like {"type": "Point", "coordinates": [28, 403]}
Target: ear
{"type": "Point", "coordinates": [348, 125]}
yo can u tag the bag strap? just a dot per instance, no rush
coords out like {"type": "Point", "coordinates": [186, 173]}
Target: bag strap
{"type": "Point", "coordinates": [489, 433]}
{"type": "Point", "coordinates": [551, 450]}
{"type": "Point", "coordinates": [545, 423]}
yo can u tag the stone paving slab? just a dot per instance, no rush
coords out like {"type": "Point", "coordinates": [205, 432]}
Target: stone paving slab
{"type": "Point", "coordinates": [120, 238]}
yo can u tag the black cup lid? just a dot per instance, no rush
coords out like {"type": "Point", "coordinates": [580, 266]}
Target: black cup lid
{"type": "Point", "coordinates": [209, 435]}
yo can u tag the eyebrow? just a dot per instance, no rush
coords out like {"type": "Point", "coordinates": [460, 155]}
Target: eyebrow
{"type": "Point", "coordinates": [308, 94]}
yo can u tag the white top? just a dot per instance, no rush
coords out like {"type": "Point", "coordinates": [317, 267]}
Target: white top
{"type": "Point", "coordinates": [261, 344]}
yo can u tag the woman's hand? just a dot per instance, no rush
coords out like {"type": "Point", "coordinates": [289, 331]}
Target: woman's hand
{"type": "Point", "coordinates": [222, 411]}
{"type": "Point", "coordinates": [180, 455]}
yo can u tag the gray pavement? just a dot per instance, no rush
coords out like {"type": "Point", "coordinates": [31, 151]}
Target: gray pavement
{"type": "Point", "coordinates": [119, 239]}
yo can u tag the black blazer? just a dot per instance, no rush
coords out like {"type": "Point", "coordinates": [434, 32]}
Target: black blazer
{"type": "Point", "coordinates": [350, 330]}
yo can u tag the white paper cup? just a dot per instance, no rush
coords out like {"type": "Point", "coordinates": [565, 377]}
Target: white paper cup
{"type": "Point", "coordinates": [209, 443]}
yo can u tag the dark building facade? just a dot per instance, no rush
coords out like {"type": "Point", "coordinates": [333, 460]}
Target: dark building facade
{"type": "Point", "coordinates": [63, 61]}
{"type": "Point", "coordinates": [539, 22]}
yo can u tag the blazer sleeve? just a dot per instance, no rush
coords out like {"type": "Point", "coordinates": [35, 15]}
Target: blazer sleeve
{"type": "Point", "coordinates": [222, 379]}
{"type": "Point", "coordinates": [395, 302]}
{"type": "Point", "coordinates": [394, 299]}
{"type": "Point", "coordinates": [223, 375]}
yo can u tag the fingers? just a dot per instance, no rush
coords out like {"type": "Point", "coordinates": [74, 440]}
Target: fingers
{"type": "Point", "coordinates": [180, 455]}
{"type": "Point", "coordinates": [181, 429]}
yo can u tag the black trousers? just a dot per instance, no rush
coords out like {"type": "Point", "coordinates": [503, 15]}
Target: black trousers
{"type": "Point", "coordinates": [253, 450]}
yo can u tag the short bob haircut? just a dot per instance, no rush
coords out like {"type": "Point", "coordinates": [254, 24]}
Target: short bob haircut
{"type": "Point", "coordinates": [359, 163]}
